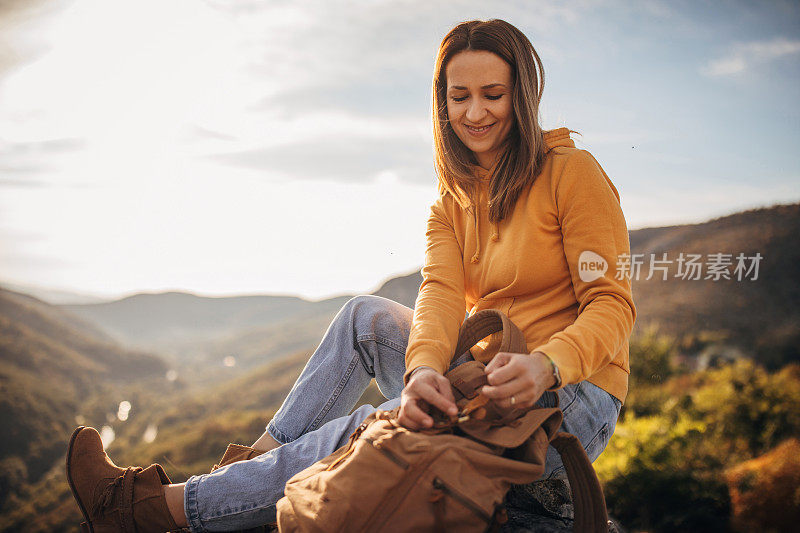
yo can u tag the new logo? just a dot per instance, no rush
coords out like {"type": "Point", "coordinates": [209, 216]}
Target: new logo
{"type": "Point", "coordinates": [591, 266]}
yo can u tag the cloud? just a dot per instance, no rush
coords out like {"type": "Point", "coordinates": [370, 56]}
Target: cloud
{"type": "Point", "coordinates": [6, 182]}
{"type": "Point", "coordinates": [193, 133]}
{"type": "Point", "coordinates": [743, 56]}
{"type": "Point", "coordinates": [337, 144]}
{"type": "Point", "coordinates": [19, 42]}
{"type": "Point", "coordinates": [316, 51]}
{"type": "Point", "coordinates": [21, 160]}
{"type": "Point", "coordinates": [44, 147]}
{"type": "Point", "coordinates": [21, 261]}
{"type": "Point", "coordinates": [340, 159]}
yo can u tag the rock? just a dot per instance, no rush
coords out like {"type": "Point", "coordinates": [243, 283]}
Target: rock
{"type": "Point", "coordinates": [543, 507]}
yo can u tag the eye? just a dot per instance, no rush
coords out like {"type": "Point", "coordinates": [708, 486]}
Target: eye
{"type": "Point", "coordinates": [458, 98]}
{"type": "Point", "coordinates": [494, 96]}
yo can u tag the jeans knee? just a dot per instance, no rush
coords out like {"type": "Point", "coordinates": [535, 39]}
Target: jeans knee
{"type": "Point", "coordinates": [367, 302]}
{"type": "Point", "coordinates": [359, 302]}
{"type": "Point", "coordinates": [369, 309]}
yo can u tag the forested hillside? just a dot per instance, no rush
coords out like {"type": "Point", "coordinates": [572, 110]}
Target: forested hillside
{"type": "Point", "coordinates": [706, 440]}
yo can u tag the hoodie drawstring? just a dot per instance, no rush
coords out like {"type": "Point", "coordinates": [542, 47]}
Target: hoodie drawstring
{"type": "Point", "coordinates": [558, 137]}
{"type": "Point", "coordinates": [476, 257]}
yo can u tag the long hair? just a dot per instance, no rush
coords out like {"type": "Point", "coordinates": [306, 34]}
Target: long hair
{"type": "Point", "coordinates": [523, 152]}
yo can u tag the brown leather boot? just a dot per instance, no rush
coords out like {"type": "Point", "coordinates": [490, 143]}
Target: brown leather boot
{"type": "Point", "coordinates": [235, 453]}
{"type": "Point", "coordinates": [113, 498]}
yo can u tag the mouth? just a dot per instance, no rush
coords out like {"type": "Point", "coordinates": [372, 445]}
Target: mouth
{"type": "Point", "coordinates": [479, 131]}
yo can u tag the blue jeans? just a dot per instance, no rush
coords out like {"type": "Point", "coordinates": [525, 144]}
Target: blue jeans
{"type": "Point", "coordinates": [367, 339]}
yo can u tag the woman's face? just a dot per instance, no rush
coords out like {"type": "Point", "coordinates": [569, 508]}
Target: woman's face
{"type": "Point", "coordinates": [479, 102]}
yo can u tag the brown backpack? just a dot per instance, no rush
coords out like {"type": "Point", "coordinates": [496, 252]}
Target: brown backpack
{"type": "Point", "coordinates": [451, 477]}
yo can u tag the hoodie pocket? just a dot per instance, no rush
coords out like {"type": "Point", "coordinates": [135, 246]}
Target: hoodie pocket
{"type": "Point", "coordinates": [501, 303]}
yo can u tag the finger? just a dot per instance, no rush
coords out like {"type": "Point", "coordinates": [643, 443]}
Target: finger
{"type": "Point", "coordinates": [499, 360]}
{"type": "Point", "coordinates": [516, 387]}
{"type": "Point", "coordinates": [523, 400]}
{"type": "Point", "coordinates": [414, 416]}
{"type": "Point", "coordinates": [523, 396]}
{"type": "Point", "coordinates": [435, 398]}
{"type": "Point", "coordinates": [407, 422]}
{"type": "Point", "coordinates": [504, 373]}
{"type": "Point", "coordinates": [444, 388]}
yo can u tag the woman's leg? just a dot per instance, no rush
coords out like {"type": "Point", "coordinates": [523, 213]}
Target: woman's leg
{"type": "Point", "coordinates": [367, 339]}
{"type": "Point", "coordinates": [590, 413]}
{"type": "Point", "coordinates": [244, 494]}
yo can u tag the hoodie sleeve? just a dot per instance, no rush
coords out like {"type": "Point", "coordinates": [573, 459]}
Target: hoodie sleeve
{"type": "Point", "coordinates": [440, 306]}
{"type": "Point", "coordinates": [592, 222]}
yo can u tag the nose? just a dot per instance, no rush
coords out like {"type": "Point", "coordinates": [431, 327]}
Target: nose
{"type": "Point", "coordinates": [476, 111]}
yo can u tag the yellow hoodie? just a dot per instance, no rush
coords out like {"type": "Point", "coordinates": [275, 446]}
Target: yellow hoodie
{"type": "Point", "coordinates": [541, 272]}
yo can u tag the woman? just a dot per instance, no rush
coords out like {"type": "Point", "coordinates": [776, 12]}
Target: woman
{"type": "Point", "coordinates": [524, 222]}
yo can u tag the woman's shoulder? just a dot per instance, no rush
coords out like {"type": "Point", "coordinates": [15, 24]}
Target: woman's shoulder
{"type": "Point", "coordinates": [568, 161]}
{"type": "Point", "coordinates": [445, 205]}
{"type": "Point", "coordinates": [569, 170]}
{"type": "Point", "coordinates": [563, 163]}
{"type": "Point", "coordinates": [581, 170]}
{"type": "Point", "coordinates": [564, 153]}
{"type": "Point", "coordinates": [447, 200]}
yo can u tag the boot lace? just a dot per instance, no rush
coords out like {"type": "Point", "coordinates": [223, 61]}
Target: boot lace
{"type": "Point", "coordinates": [107, 496]}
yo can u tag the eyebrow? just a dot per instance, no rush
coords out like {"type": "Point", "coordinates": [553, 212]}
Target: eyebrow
{"type": "Point", "coordinates": [491, 85]}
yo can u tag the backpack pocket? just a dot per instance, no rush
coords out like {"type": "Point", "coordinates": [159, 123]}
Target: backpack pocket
{"type": "Point", "coordinates": [343, 491]}
{"type": "Point", "coordinates": [460, 497]}
{"type": "Point", "coordinates": [442, 490]}
{"type": "Point", "coordinates": [446, 492]}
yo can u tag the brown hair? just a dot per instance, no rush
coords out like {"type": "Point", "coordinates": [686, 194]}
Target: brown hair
{"type": "Point", "coordinates": [524, 152]}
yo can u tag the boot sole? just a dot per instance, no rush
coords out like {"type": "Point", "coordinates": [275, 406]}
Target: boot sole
{"type": "Point", "coordinates": [87, 525]}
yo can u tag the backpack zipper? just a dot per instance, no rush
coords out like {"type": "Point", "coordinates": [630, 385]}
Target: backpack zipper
{"type": "Point", "coordinates": [399, 461]}
{"type": "Point", "coordinates": [378, 517]}
{"type": "Point", "coordinates": [350, 447]}
{"type": "Point", "coordinates": [466, 502]}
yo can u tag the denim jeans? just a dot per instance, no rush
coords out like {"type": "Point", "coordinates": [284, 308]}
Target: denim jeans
{"type": "Point", "coordinates": [367, 339]}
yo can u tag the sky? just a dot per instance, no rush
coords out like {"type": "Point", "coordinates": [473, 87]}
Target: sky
{"type": "Point", "coordinates": [240, 147]}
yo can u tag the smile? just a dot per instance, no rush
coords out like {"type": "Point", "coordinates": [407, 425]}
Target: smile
{"type": "Point", "coordinates": [479, 131]}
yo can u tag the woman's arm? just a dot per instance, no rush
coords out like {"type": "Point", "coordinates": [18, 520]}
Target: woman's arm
{"type": "Point", "coordinates": [591, 220]}
{"type": "Point", "coordinates": [438, 314]}
{"type": "Point", "coordinates": [440, 306]}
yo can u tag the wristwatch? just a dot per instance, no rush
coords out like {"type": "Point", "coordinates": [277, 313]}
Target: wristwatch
{"type": "Point", "coordinates": [556, 374]}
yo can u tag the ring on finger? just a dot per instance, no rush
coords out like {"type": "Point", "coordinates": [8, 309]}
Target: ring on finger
{"type": "Point", "coordinates": [513, 400]}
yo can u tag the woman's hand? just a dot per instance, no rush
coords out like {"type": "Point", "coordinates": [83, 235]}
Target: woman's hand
{"type": "Point", "coordinates": [522, 376]}
{"type": "Point", "coordinates": [426, 388]}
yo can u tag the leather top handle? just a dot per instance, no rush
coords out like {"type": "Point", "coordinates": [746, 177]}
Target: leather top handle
{"type": "Point", "coordinates": [484, 323]}
{"type": "Point", "coordinates": [591, 514]}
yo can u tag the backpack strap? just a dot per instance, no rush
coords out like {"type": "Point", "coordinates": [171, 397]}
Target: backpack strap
{"type": "Point", "coordinates": [587, 494]}
{"type": "Point", "coordinates": [484, 323]}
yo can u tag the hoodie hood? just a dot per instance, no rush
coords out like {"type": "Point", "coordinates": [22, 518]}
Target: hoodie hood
{"type": "Point", "coordinates": [552, 139]}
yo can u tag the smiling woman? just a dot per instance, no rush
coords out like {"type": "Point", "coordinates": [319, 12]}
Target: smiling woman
{"type": "Point", "coordinates": [497, 168]}
{"type": "Point", "coordinates": [487, 86]}
{"type": "Point", "coordinates": [480, 114]}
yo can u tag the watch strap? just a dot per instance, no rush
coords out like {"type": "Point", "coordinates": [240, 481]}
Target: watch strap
{"type": "Point", "coordinates": [556, 374]}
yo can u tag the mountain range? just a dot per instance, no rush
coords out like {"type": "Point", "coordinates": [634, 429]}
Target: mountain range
{"type": "Point", "coordinates": [758, 312]}
{"type": "Point", "coordinates": [197, 372]}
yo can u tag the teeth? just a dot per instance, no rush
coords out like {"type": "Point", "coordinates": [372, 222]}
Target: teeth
{"type": "Point", "coordinates": [478, 130]}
